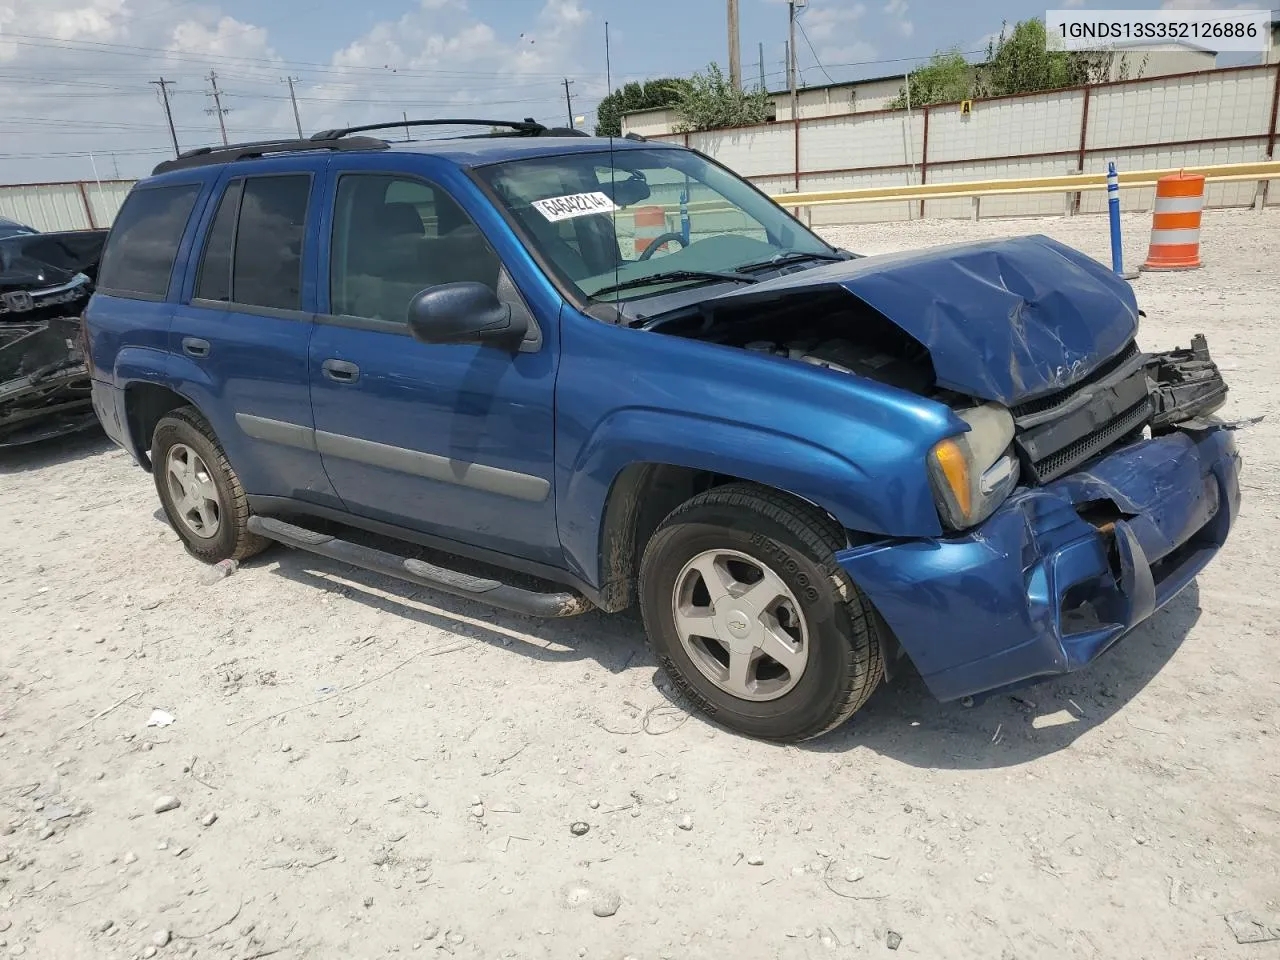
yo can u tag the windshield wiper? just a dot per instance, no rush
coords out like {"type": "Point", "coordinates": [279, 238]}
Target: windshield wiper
{"type": "Point", "coordinates": [792, 256]}
{"type": "Point", "coordinates": [675, 275]}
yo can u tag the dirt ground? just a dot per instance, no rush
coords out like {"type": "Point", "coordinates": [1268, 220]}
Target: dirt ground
{"type": "Point", "coordinates": [393, 770]}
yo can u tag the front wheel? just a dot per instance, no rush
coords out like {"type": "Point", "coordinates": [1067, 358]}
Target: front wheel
{"type": "Point", "coordinates": [751, 616]}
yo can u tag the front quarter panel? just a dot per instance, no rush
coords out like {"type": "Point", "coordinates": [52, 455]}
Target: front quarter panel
{"type": "Point", "coordinates": [855, 448]}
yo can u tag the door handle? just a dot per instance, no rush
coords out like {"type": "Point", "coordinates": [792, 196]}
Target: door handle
{"type": "Point", "coordinates": [340, 371]}
{"type": "Point", "coordinates": [195, 347]}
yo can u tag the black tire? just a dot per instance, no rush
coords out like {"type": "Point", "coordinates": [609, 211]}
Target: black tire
{"type": "Point", "coordinates": [796, 542]}
{"type": "Point", "coordinates": [232, 539]}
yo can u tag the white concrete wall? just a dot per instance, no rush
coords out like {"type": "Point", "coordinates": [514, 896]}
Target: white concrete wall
{"type": "Point", "coordinates": [1138, 125]}
{"type": "Point", "coordinates": [650, 123]}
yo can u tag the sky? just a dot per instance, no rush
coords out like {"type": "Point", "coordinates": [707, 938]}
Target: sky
{"type": "Point", "coordinates": [77, 98]}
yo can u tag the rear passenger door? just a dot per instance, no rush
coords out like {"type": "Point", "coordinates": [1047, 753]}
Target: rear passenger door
{"type": "Point", "coordinates": [242, 327]}
{"type": "Point", "coordinates": [454, 440]}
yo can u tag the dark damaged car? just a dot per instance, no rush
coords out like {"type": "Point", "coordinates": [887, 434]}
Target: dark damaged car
{"type": "Point", "coordinates": [616, 367]}
{"type": "Point", "coordinates": [45, 283]}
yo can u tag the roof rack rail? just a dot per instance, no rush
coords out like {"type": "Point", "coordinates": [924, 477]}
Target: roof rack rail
{"type": "Point", "coordinates": [528, 127]}
{"type": "Point", "coordinates": [205, 156]}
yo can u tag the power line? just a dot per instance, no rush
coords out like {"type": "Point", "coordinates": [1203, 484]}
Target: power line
{"type": "Point", "coordinates": [809, 43]}
{"type": "Point", "coordinates": [125, 49]}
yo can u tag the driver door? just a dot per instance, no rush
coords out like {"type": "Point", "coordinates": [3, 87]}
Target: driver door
{"type": "Point", "coordinates": [454, 440]}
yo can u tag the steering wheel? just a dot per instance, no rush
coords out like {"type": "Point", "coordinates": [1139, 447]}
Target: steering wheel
{"type": "Point", "coordinates": [658, 241]}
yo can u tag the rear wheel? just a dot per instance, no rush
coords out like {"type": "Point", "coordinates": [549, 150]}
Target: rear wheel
{"type": "Point", "coordinates": [752, 617]}
{"type": "Point", "coordinates": [199, 490]}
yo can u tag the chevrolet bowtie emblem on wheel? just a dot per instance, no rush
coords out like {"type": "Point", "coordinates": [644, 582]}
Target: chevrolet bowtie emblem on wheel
{"type": "Point", "coordinates": [19, 301]}
{"type": "Point", "coordinates": [737, 624]}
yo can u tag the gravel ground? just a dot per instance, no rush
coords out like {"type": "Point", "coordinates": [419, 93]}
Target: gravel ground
{"type": "Point", "coordinates": [395, 770]}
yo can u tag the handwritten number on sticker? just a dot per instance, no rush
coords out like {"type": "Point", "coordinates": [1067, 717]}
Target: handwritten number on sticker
{"type": "Point", "coordinates": [574, 205]}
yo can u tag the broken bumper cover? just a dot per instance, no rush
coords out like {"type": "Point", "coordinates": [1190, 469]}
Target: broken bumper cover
{"type": "Point", "coordinates": [1039, 590]}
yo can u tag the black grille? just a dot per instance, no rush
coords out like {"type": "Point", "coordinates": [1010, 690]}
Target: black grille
{"type": "Point", "coordinates": [1075, 453]}
{"type": "Point", "coordinates": [1072, 426]}
{"type": "Point", "coordinates": [1042, 404]}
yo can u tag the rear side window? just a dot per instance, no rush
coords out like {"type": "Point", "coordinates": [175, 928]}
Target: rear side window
{"type": "Point", "coordinates": [144, 241]}
{"type": "Point", "coordinates": [267, 263]}
{"type": "Point", "coordinates": [214, 282]}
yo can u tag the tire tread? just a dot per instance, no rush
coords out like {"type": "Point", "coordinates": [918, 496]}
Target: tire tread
{"type": "Point", "coordinates": [821, 537]}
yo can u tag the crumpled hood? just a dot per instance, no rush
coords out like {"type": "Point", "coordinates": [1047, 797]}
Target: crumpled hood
{"type": "Point", "coordinates": [1003, 320]}
{"type": "Point", "coordinates": [37, 261]}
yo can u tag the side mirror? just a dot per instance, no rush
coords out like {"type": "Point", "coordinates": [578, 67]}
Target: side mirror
{"type": "Point", "coordinates": [465, 313]}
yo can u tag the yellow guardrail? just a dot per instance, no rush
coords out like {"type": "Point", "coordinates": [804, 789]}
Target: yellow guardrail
{"type": "Point", "coordinates": [1069, 183]}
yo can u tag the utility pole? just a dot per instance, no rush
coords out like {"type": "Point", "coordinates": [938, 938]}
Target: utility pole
{"type": "Point", "coordinates": [791, 61]}
{"type": "Point", "coordinates": [292, 99]}
{"type": "Point", "coordinates": [762, 86]}
{"type": "Point", "coordinates": [218, 108]}
{"type": "Point", "coordinates": [568, 101]}
{"type": "Point", "coordinates": [164, 86]}
{"type": "Point", "coordinates": [735, 53]}
{"type": "Point", "coordinates": [405, 115]}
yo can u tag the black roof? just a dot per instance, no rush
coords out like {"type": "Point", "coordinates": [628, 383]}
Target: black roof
{"type": "Point", "coordinates": [344, 139]}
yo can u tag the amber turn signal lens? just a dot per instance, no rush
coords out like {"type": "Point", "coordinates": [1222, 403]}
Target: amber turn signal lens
{"type": "Point", "coordinates": [955, 468]}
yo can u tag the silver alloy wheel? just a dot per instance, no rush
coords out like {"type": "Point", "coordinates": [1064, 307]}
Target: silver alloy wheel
{"type": "Point", "coordinates": [194, 495]}
{"type": "Point", "coordinates": [740, 624]}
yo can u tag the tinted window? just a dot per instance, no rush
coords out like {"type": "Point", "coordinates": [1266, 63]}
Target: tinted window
{"type": "Point", "coordinates": [215, 266]}
{"type": "Point", "coordinates": [144, 240]}
{"type": "Point", "coordinates": [268, 255]}
{"type": "Point", "coordinates": [393, 237]}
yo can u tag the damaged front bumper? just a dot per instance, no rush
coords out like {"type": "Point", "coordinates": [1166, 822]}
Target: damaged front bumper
{"type": "Point", "coordinates": [44, 385]}
{"type": "Point", "coordinates": [1061, 571]}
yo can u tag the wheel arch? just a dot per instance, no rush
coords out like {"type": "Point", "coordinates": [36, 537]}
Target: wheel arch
{"type": "Point", "coordinates": [145, 404]}
{"type": "Point", "coordinates": [639, 499]}
{"type": "Point", "coordinates": [644, 494]}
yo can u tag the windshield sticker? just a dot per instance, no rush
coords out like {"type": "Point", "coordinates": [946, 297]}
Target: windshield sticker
{"type": "Point", "coordinates": [574, 205]}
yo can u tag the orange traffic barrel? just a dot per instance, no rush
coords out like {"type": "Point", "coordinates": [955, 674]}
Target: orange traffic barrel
{"type": "Point", "coordinates": [651, 223]}
{"type": "Point", "coordinates": [1175, 227]}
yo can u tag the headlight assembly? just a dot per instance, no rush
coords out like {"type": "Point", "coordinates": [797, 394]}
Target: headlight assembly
{"type": "Point", "coordinates": [973, 472]}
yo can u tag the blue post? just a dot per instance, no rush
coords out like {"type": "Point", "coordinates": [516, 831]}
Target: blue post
{"type": "Point", "coordinates": [1113, 209]}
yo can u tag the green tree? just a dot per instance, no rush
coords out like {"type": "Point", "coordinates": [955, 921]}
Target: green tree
{"type": "Point", "coordinates": [946, 78]}
{"type": "Point", "coordinates": [1020, 61]}
{"type": "Point", "coordinates": [648, 95]}
{"type": "Point", "coordinates": [709, 101]}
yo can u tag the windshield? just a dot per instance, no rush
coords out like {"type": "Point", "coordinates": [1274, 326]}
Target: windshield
{"type": "Point", "coordinates": [607, 221]}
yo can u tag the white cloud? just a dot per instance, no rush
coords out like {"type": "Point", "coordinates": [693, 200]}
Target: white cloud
{"type": "Point", "coordinates": [857, 52]}
{"type": "Point", "coordinates": [226, 37]}
{"type": "Point", "coordinates": [897, 11]}
{"type": "Point", "coordinates": [831, 21]}
{"type": "Point", "coordinates": [77, 93]}
{"type": "Point", "coordinates": [833, 29]}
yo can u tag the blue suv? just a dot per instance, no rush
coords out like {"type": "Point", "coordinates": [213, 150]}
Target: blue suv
{"type": "Point", "coordinates": [615, 366]}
